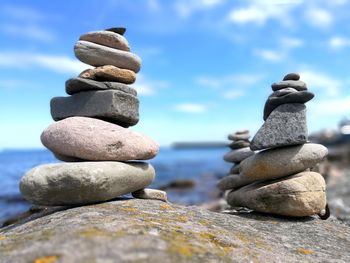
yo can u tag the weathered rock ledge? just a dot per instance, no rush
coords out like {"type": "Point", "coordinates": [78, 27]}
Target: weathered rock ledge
{"type": "Point", "coordinates": [153, 231]}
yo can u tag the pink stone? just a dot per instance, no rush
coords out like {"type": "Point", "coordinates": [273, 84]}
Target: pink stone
{"type": "Point", "coordinates": [97, 140]}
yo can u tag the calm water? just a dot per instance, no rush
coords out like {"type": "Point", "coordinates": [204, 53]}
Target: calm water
{"type": "Point", "coordinates": [203, 166]}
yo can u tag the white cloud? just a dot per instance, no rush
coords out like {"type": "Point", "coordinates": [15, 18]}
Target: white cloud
{"type": "Point", "coordinates": [339, 42]}
{"type": "Point", "coordinates": [336, 106]}
{"type": "Point", "coordinates": [28, 31]}
{"type": "Point", "coordinates": [185, 8]}
{"type": "Point", "coordinates": [59, 64]}
{"type": "Point", "coordinates": [291, 42]}
{"type": "Point", "coordinates": [233, 94]}
{"type": "Point", "coordinates": [259, 12]}
{"type": "Point", "coordinates": [318, 17]}
{"type": "Point", "coordinates": [191, 108]}
{"type": "Point", "coordinates": [147, 87]}
{"type": "Point", "coordinates": [23, 13]}
{"type": "Point", "coordinates": [318, 80]}
{"type": "Point", "coordinates": [270, 55]}
{"type": "Point", "coordinates": [221, 82]}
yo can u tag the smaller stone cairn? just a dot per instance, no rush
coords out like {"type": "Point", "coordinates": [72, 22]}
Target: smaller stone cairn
{"type": "Point", "coordinates": [279, 178]}
{"type": "Point", "coordinates": [239, 152]}
{"type": "Point", "coordinates": [90, 133]}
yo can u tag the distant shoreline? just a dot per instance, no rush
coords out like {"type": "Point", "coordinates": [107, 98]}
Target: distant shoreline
{"type": "Point", "coordinates": [196, 145]}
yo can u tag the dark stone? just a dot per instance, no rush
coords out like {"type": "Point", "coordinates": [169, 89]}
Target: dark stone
{"type": "Point", "coordinates": [118, 30]}
{"type": "Point", "coordinates": [235, 169]}
{"type": "Point", "coordinates": [295, 97]}
{"type": "Point", "coordinates": [109, 105]}
{"type": "Point", "coordinates": [282, 92]}
{"type": "Point", "coordinates": [295, 84]}
{"type": "Point", "coordinates": [292, 76]}
{"type": "Point", "coordinates": [76, 85]}
{"type": "Point", "coordinates": [285, 126]}
{"type": "Point", "coordinates": [239, 144]}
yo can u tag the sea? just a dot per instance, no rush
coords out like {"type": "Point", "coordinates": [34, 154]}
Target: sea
{"type": "Point", "coordinates": [202, 166]}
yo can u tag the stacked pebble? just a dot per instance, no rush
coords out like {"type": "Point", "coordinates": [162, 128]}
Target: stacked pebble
{"type": "Point", "coordinates": [278, 179]}
{"type": "Point", "coordinates": [239, 151]}
{"type": "Point", "coordinates": [91, 132]}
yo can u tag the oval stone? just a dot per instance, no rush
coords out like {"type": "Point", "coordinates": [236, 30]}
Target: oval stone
{"type": "Point", "coordinates": [109, 73]}
{"type": "Point", "coordinates": [98, 55]}
{"type": "Point", "coordinates": [107, 38]}
{"type": "Point", "coordinates": [238, 155]}
{"type": "Point", "coordinates": [97, 140]}
{"type": "Point", "coordinates": [279, 162]}
{"type": "Point", "coordinates": [298, 195]}
{"type": "Point", "coordinates": [84, 183]}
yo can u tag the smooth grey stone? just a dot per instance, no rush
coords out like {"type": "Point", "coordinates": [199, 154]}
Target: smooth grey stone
{"type": "Point", "coordinates": [284, 161]}
{"type": "Point", "coordinates": [286, 125]}
{"type": "Point", "coordinates": [235, 169]}
{"type": "Point", "coordinates": [239, 144]}
{"type": "Point", "coordinates": [282, 92]}
{"type": "Point", "coordinates": [295, 84]}
{"type": "Point", "coordinates": [242, 131]}
{"type": "Point", "coordinates": [98, 55]}
{"type": "Point", "coordinates": [107, 38]}
{"type": "Point", "coordinates": [118, 30]}
{"type": "Point", "coordinates": [232, 181]}
{"type": "Point", "coordinates": [84, 183]}
{"type": "Point", "coordinates": [148, 193]}
{"type": "Point", "coordinates": [238, 155]}
{"type": "Point", "coordinates": [298, 195]}
{"type": "Point", "coordinates": [110, 105]}
{"type": "Point", "coordinates": [76, 85]}
{"type": "Point", "coordinates": [236, 137]}
{"type": "Point", "coordinates": [295, 97]}
{"type": "Point", "coordinates": [292, 76]}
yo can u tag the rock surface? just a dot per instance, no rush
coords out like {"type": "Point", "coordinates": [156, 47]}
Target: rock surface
{"type": "Point", "coordinates": [238, 155]}
{"type": "Point", "coordinates": [98, 55]}
{"type": "Point", "coordinates": [298, 195]}
{"type": "Point", "coordinates": [110, 105]}
{"type": "Point", "coordinates": [232, 181]}
{"type": "Point", "coordinates": [275, 163]}
{"type": "Point", "coordinates": [76, 85]}
{"type": "Point", "coordinates": [84, 182]}
{"type": "Point", "coordinates": [152, 231]}
{"type": "Point", "coordinates": [109, 73]}
{"type": "Point", "coordinates": [96, 140]}
{"type": "Point", "coordinates": [107, 38]}
{"type": "Point", "coordinates": [291, 76]}
{"type": "Point", "coordinates": [285, 126]}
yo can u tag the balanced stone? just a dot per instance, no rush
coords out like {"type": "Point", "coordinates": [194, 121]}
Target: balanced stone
{"type": "Point", "coordinates": [234, 169]}
{"type": "Point", "coordinates": [242, 131]}
{"type": "Point", "coordinates": [150, 194]}
{"type": "Point", "coordinates": [97, 140]}
{"type": "Point", "coordinates": [98, 55]}
{"type": "Point", "coordinates": [84, 183]}
{"type": "Point", "coordinates": [238, 155]}
{"type": "Point", "coordinates": [298, 85]}
{"type": "Point", "coordinates": [298, 195]}
{"type": "Point", "coordinates": [107, 38]}
{"type": "Point", "coordinates": [109, 73]}
{"type": "Point", "coordinates": [118, 30]}
{"type": "Point", "coordinates": [110, 105]}
{"type": "Point", "coordinates": [296, 97]}
{"type": "Point", "coordinates": [286, 125]}
{"type": "Point", "coordinates": [282, 92]}
{"type": "Point", "coordinates": [239, 144]}
{"type": "Point", "coordinates": [275, 163]}
{"type": "Point", "coordinates": [241, 136]}
{"type": "Point", "coordinates": [232, 181]}
{"type": "Point", "coordinates": [76, 85]}
{"type": "Point", "coordinates": [292, 76]}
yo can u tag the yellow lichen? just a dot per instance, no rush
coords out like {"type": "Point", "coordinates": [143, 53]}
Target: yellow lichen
{"type": "Point", "coordinates": [2, 237]}
{"type": "Point", "coordinates": [305, 251]}
{"type": "Point", "coordinates": [182, 219]}
{"type": "Point", "coordinates": [47, 259]}
{"type": "Point", "coordinates": [166, 207]}
{"type": "Point", "coordinates": [129, 209]}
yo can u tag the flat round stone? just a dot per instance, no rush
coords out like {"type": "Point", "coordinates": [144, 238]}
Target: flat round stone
{"type": "Point", "coordinates": [295, 84]}
{"type": "Point", "coordinates": [239, 144]}
{"type": "Point", "coordinates": [284, 161]}
{"type": "Point", "coordinates": [97, 55]}
{"type": "Point", "coordinates": [282, 92]}
{"type": "Point", "coordinates": [297, 195]}
{"type": "Point", "coordinates": [109, 73]}
{"type": "Point", "coordinates": [238, 155]}
{"type": "Point", "coordinates": [150, 194]}
{"type": "Point", "coordinates": [240, 136]}
{"type": "Point", "coordinates": [84, 182]}
{"type": "Point", "coordinates": [76, 85]}
{"type": "Point", "coordinates": [118, 30]}
{"type": "Point", "coordinates": [97, 140]}
{"type": "Point", "coordinates": [107, 38]}
{"type": "Point", "coordinates": [292, 76]}
{"type": "Point", "coordinates": [295, 97]}
{"type": "Point", "coordinates": [232, 181]}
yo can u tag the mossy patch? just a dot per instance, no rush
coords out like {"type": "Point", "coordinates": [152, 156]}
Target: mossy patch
{"type": "Point", "coordinates": [93, 232]}
{"type": "Point", "coordinates": [182, 219]}
{"type": "Point", "coordinates": [166, 207]}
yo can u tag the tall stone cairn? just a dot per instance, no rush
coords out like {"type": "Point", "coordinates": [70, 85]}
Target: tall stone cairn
{"type": "Point", "coordinates": [101, 156]}
{"type": "Point", "coordinates": [278, 179]}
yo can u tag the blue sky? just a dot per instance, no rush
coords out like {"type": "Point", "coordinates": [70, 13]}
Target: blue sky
{"type": "Point", "coordinates": [207, 64]}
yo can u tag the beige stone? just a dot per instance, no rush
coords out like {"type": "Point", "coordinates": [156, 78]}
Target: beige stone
{"type": "Point", "coordinates": [148, 193]}
{"type": "Point", "coordinates": [297, 195]}
{"type": "Point", "coordinates": [109, 73]}
{"type": "Point", "coordinates": [108, 39]}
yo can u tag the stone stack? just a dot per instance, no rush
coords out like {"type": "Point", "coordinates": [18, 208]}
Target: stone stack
{"type": "Point", "coordinates": [91, 133]}
{"type": "Point", "coordinates": [279, 178]}
{"type": "Point", "coordinates": [239, 151]}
